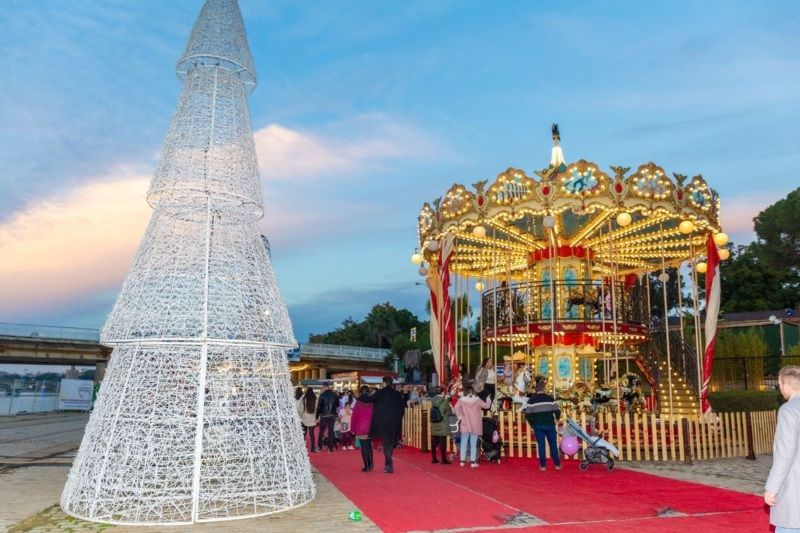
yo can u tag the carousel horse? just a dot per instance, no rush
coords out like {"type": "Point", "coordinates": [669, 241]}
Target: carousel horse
{"type": "Point", "coordinates": [577, 298]}
{"type": "Point", "coordinates": [632, 392]}
{"type": "Point", "coordinates": [603, 400]}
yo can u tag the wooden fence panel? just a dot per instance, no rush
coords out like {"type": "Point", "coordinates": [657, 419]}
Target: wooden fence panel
{"type": "Point", "coordinates": [638, 436]}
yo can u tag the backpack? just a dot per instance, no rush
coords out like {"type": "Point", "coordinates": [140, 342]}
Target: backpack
{"type": "Point", "coordinates": [436, 415]}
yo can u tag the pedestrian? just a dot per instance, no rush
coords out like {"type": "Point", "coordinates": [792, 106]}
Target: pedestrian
{"type": "Point", "coordinates": [413, 397]}
{"type": "Point", "coordinates": [345, 421]}
{"type": "Point", "coordinates": [406, 392]}
{"type": "Point", "coordinates": [542, 413]}
{"type": "Point", "coordinates": [782, 492]}
{"type": "Point", "coordinates": [387, 418]}
{"type": "Point", "coordinates": [308, 416]}
{"type": "Point", "coordinates": [486, 379]}
{"type": "Point", "coordinates": [440, 427]}
{"type": "Point", "coordinates": [468, 411]}
{"type": "Point", "coordinates": [360, 424]}
{"type": "Point", "coordinates": [326, 415]}
{"type": "Point", "coordinates": [298, 399]}
{"type": "Point", "coordinates": [463, 372]}
{"type": "Point", "coordinates": [345, 399]}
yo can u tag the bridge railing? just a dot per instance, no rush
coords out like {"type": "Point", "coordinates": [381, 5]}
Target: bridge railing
{"type": "Point", "coordinates": [349, 352]}
{"type": "Point", "coordinates": [49, 332]}
{"type": "Point", "coordinates": [89, 334]}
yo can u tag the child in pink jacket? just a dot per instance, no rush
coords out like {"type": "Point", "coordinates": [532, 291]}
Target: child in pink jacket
{"type": "Point", "coordinates": [469, 411]}
{"type": "Point", "coordinates": [360, 423]}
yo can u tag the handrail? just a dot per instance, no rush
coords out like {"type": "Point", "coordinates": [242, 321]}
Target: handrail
{"type": "Point", "coordinates": [38, 331]}
{"type": "Point", "coordinates": [336, 350]}
{"type": "Point", "coordinates": [583, 300]}
{"type": "Point", "coordinates": [49, 332]}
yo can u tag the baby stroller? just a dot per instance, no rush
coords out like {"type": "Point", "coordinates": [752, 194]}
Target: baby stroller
{"type": "Point", "coordinates": [598, 450]}
{"type": "Point", "coordinates": [491, 445]}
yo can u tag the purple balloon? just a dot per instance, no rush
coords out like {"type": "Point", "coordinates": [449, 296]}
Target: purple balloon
{"type": "Point", "coordinates": [569, 445]}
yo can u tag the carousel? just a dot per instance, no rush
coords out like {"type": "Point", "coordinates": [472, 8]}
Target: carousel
{"type": "Point", "coordinates": [564, 266]}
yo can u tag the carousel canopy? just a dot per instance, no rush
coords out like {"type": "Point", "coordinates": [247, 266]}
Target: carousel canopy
{"type": "Point", "coordinates": [629, 220]}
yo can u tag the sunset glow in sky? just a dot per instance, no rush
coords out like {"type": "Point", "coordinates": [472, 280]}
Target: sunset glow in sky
{"type": "Point", "coordinates": [363, 111]}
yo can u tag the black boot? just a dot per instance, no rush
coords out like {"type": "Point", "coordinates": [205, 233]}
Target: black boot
{"type": "Point", "coordinates": [366, 446]}
{"type": "Point", "coordinates": [364, 457]}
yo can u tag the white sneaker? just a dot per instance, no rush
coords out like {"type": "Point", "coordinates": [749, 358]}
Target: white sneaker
{"type": "Point", "coordinates": [463, 463]}
{"type": "Point", "coordinates": [474, 465]}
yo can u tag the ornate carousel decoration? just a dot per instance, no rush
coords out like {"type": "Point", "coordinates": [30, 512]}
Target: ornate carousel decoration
{"type": "Point", "coordinates": [562, 261]}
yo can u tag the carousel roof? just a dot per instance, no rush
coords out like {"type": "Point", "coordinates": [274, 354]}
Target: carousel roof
{"type": "Point", "coordinates": [630, 220]}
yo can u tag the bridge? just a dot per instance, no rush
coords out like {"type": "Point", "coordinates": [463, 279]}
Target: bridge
{"type": "Point", "coordinates": [56, 345]}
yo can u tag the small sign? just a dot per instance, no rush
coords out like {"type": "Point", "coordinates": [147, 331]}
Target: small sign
{"type": "Point", "coordinates": [414, 334]}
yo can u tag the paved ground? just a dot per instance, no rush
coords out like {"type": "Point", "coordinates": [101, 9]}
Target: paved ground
{"type": "Point", "coordinates": [35, 455]}
{"type": "Point", "coordinates": [735, 474]}
{"type": "Point", "coordinates": [36, 451]}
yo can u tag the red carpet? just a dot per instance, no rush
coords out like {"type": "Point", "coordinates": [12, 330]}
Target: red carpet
{"type": "Point", "coordinates": [421, 496]}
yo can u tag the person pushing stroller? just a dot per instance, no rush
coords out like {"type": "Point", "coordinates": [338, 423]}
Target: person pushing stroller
{"type": "Point", "coordinates": [542, 413]}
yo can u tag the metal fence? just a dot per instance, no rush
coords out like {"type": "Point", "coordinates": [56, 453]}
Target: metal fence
{"type": "Point", "coordinates": [24, 396]}
{"type": "Point", "coordinates": [574, 300]}
{"type": "Point", "coordinates": [748, 372]}
{"type": "Point", "coordinates": [49, 332]}
{"type": "Point", "coordinates": [347, 352]}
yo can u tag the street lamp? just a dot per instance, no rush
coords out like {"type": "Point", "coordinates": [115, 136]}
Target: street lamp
{"type": "Point", "coordinates": [778, 322]}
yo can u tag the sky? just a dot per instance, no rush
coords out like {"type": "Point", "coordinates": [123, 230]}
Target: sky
{"type": "Point", "coordinates": [365, 110]}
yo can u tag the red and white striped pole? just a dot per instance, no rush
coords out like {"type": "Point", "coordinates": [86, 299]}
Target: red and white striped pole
{"type": "Point", "coordinates": [713, 291]}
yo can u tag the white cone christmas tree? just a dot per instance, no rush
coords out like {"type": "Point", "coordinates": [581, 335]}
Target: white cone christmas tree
{"type": "Point", "coordinates": [195, 420]}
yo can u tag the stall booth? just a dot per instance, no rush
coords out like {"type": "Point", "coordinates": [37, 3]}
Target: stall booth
{"type": "Point", "coordinates": [353, 380]}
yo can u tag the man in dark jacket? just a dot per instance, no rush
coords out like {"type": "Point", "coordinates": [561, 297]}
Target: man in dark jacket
{"type": "Point", "coordinates": [326, 415]}
{"type": "Point", "coordinates": [386, 418]}
{"type": "Point", "coordinates": [542, 412]}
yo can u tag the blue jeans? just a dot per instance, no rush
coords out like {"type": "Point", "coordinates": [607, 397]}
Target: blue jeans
{"type": "Point", "coordinates": [549, 433]}
{"type": "Point", "coordinates": [470, 439]}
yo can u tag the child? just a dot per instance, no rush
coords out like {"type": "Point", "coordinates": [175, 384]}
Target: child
{"type": "Point", "coordinates": [346, 433]}
{"type": "Point", "coordinates": [360, 426]}
{"type": "Point", "coordinates": [337, 432]}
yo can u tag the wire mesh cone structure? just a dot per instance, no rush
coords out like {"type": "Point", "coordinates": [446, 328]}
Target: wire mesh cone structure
{"type": "Point", "coordinates": [195, 420]}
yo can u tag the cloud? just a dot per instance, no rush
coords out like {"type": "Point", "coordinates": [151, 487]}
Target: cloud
{"type": "Point", "coordinates": [737, 214]}
{"type": "Point", "coordinates": [72, 246]}
{"type": "Point", "coordinates": [61, 248]}
{"type": "Point", "coordinates": [326, 310]}
{"type": "Point", "coordinates": [341, 149]}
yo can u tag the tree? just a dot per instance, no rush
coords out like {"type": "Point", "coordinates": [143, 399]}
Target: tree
{"type": "Point", "coordinates": [749, 283]}
{"type": "Point", "coordinates": [765, 274]}
{"type": "Point", "coordinates": [778, 245]}
{"type": "Point", "coordinates": [350, 333]}
{"type": "Point", "coordinates": [657, 294]}
{"type": "Point", "coordinates": [778, 230]}
{"type": "Point", "coordinates": [382, 324]}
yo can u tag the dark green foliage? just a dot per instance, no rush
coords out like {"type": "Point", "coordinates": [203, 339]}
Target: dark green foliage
{"type": "Point", "coordinates": [765, 274]}
{"type": "Point", "coordinates": [384, 327]}
{"type": "Point", "coordinates": [737, 401]}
